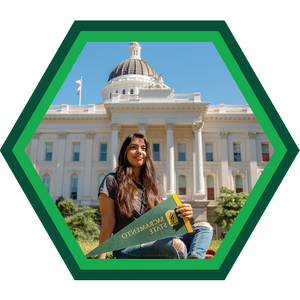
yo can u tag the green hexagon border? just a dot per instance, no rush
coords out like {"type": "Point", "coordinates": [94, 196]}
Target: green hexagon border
{"type": "Point", "coordinates": [148, 36]}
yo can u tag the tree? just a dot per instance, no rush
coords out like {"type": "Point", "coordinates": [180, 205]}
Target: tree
{"type": "Point", "coordinates": [83, 221]}
{"type": "Point", "coordinates": [229, 206]}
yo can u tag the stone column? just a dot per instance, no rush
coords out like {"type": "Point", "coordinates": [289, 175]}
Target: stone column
{"type": "Point", "coordinates": [142, 128]}
{"type": "Point", "coordinates": [119, 139]}
{"type": "Point", "coordinates": [60, 163]}
{"type": "Point", "coordinates": [34, 148]}
{"type": "Point", "coordinates": [86, 200]}
{"type": "Point", "coordinates": [114, 149]}
{"type": "Point", "coordinates": [200, 188]}
{"type": "Point", "coordinates": [200, 203]}
{"type": "Point", "coordinates": [253, 158]}
{"type": "Point", "coordinates": [224, 159]}
{"type": "Point", "coordinates": [170, 159]}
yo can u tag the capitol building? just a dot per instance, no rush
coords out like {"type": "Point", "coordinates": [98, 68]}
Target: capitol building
{"type": "Point", "coordinates": [197, 147]}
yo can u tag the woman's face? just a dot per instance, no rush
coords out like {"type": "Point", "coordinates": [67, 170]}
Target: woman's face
{"type": "Point", "coordinates": [137, 152]}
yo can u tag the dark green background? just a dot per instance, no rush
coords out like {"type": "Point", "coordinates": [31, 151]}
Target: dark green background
{"type": "Point", "coordinates": [267, 53]}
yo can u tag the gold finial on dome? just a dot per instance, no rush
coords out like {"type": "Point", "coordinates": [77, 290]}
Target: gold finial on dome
{"type": "Point", "coordinates": [134, 43]}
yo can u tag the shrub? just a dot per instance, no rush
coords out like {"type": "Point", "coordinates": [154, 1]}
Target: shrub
{"type": "Point", "coordinates": [61, 198]}
{"type": "Point", "coordinates": [83, 221]}
{"type": "Point", "coordinates": [83, 225]}
{"type": "Point", "coordinates": [66, 206]}
{"type": "Point", "coordinates": [229, 206]}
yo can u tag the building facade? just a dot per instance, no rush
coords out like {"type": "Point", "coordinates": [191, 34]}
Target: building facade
{"type": "Point", "coordinates": [197, 147]}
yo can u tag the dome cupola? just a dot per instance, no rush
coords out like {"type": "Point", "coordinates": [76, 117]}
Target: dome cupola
{"type": "Point", "coordinates": [134, 50]}
{"type": "Point", "coordinates": [130, 76]}
{"type": "Point", "coordinates": [134, 65]}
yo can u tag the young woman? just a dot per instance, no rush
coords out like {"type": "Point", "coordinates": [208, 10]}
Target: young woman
{"type": "Point", "coordinates": [133, 190]}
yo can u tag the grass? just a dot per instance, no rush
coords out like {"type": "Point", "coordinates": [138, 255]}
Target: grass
{"type": "Point", "coordinates": [215, 244]}
{"type": "Point", "coordinates": [88, 246]}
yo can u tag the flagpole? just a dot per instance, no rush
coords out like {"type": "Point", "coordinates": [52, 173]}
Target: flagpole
{"type": "Point", "coordinates": [80, 91]}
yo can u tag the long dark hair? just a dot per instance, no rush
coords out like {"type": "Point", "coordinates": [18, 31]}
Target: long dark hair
{"type": "Point", "coordinates": [126, 188]}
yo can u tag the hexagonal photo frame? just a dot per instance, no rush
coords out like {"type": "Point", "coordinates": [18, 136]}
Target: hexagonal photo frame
{"type": "Point", "coordinates": [162, 36]}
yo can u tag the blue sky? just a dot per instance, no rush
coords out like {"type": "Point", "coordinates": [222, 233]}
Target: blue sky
{"type": "Point", "coordinates": [186, 67]}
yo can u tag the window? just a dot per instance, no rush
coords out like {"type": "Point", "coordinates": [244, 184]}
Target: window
{"type": "Point", "coordinates": [76, 152]}
{"type": "Point", "coordinates": [265, 152]}
{"type": "Point", "coordinates": [210, 188]}
{"type": "Point", "coordinates": [74, 187]}
{"type": "Point", "coordinates": [238, 184]}
{"type": "Point", "coordinates": [46, 182]}
{"type": "Point", "coordinates": [116, 92]}
{"type": "Point", "coordinates": [123, 92]}
{"type": "Point", "coordinates": [156, 156]}
{"type": "Point", "coordinates": [131, 92]}
{"type": "Point", "coordinates": [181, 152]}
{"type": "Point", "coordinates": [101, 177]}
{"type": "Point", "coordinates": [182, 185]}
{"type": "Point", "coordinates": [103, 152]}
{"type": "Point", "coordinates": [209, 152]}
{"type": "Point", "coordinates": [48, 156]}
{"type": "Point", "coordinates": [237, 152]}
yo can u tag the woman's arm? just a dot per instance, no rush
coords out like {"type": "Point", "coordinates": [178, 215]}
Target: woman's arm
{"type": "Point", "coordinates": [107, 208]}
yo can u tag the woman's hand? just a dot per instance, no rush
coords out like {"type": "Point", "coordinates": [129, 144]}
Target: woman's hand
{"type": "Point", "coordinates": [185, 211]}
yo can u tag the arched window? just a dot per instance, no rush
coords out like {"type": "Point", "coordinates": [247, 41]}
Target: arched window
{"type": "Point", "coordinates": [182, 185]}
{"type": "Point", "coordinates": [101, 177]}
{"type": "Point", "coordinates": [210, 188]}
{"type": "Point", "coordinates": [109, 95]}
{"type": "Point", "coordinates": [116, 92]}
{"type": "Point", "coordinates": [46, 182]}
{"type": "Point", "coordinates": [238, 184]}
{"type": "Point", "coordinates": [123, 92]}
{"type": "Point", "coordinates": [131, 91]}
{"type": "Point", "coordinates": [74, 187]}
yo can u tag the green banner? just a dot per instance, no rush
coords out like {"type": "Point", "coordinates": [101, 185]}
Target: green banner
{"type": "Point", "coordinates": [158, 223]}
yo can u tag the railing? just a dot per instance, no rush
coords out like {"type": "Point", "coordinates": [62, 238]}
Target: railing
{"type": "Point", "coordinates": [213, 108]}
{"type": "Point", "coordinates": [222, 108]}
{"type": "Point", "coordinates": [134, 97]}
{"type": "Point", "coordinates": [54, 108]}
{"type": "Point", "coordinates": [78, 107]}
{"type": "Point", "coordinates": [74, 109]}
{"type": "Point", "coordinates": [183, 97]}
{"type": "Point", "coordinates": [236, 108]}
{"type": "Point", "coordinates": [91, 108]}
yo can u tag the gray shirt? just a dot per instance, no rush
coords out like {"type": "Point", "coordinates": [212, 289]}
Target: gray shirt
{"type": "Point", "coordinates": [108, 187]}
